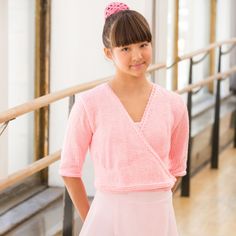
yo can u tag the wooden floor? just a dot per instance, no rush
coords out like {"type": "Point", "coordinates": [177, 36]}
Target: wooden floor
{"type": "Point", "coordinates": [211, 209]}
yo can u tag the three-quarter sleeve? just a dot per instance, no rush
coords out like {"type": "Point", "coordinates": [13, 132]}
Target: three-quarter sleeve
{"type": "Point", "coordinates": [77, 139]}
{"type": "Point", "coordinates": [179, 145]}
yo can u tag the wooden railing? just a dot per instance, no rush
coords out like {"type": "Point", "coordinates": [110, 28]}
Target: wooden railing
{"type": "Point", "coordinates": [11, 114]}
{"type": "Point", "coordinates": [46, 100]}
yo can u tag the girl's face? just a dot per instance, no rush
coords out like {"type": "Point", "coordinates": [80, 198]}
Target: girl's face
{"type": "Point", "coordinates": [133, 59]}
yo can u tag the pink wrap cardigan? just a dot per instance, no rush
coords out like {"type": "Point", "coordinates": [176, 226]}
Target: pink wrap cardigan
{"type": "Point", "coordinates": [127, 157]}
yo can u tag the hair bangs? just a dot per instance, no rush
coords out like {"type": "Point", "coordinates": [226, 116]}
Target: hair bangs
{"type": "Point", "coordinates": [129, 29]}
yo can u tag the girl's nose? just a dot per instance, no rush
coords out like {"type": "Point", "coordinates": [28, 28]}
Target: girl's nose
{"type": "Point", "coordinates": [136, 55]}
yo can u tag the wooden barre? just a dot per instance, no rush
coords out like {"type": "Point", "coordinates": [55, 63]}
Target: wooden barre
{"type": "Point", "coordinates": [207, 49]}
{"type": "Point", "coordinates": [45, 100]}
{"type": "Point", "coordinates": [155, 67]}
{"type": "Point", "coordinates": [49, 98]}
{"type": "Point", "coordinates": [29, 170]}
{"type": "Point", "coordinates": [206, 81]}
{"type": "Point", "coordinates": [197, 52]}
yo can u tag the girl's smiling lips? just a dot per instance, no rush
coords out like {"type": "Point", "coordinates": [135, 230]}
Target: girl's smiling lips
{"type": "Point", "coordinates": [137, 66]}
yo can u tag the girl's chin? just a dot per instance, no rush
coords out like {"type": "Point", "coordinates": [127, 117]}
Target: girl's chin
{"type": "Point", "coordinates": [139, 74]}
{"type": "Point", "coordinates": [142, 71]}
{"type": "Point", "coordinates": [134, 73]}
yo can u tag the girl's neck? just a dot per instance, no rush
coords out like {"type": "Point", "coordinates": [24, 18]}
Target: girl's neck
{"type": "Point", "coordinates": [129, 82]}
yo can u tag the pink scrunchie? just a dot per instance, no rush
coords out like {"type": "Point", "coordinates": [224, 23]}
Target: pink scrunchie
{"type": "Point", "coordinates": [115, 7]}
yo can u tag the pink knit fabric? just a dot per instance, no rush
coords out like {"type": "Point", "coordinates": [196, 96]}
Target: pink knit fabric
{"type": "Point", "coordinates": [115, 7]}
{"type": "Point", "coordinates": [127, 156]}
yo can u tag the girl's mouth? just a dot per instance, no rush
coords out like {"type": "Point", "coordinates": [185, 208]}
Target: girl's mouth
{"type": "Point", "coordinates": [137, 66]}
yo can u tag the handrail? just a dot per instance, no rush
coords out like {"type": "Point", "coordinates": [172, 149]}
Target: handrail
{"type": "Point", "coordinates": [45, 100]}
{"type": "Point", "coordinates": [29, 170]}
{"type": "Point", "coordinates": [155, 67]}
{"type": "Point", "coordinates": [46, 161]}
{"type": "Point", "coordinates": [206, 81]}
{"type": "Point", "coordinates": [207, 49]}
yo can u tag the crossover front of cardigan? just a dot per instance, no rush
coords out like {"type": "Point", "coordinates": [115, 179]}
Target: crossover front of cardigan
{"type": "Point", "coordinates": [127, 156]}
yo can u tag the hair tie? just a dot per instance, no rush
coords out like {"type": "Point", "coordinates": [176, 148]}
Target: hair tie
{"type": "Point", "coordinates": [114, 7]}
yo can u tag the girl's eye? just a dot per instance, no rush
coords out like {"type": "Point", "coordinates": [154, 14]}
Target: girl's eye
{"type": "Point", "coordinates": [144, 45]}
{"type": "Point", "coordinates": [125, 49]}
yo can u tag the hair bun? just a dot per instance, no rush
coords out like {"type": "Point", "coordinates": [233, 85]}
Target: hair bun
{"type": "Point", "coordinates": [115, 7]}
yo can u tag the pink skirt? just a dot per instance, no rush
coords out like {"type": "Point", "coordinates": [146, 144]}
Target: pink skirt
{"type": "Point", "coordinates": [148, 213]}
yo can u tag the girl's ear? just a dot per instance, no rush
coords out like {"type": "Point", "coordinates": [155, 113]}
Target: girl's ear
{"type": "Point", "coordinates": [108, 53]}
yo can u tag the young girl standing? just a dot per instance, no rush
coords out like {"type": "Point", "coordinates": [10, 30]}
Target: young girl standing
{"type": "Point", "coordinates": [137, 134]}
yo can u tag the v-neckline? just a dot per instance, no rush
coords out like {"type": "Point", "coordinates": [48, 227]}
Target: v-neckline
{"type": "Point", "coordinates": [146, 109]}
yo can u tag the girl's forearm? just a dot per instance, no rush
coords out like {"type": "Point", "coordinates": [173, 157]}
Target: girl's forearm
{"type": "Point", "coordinates": [78, 195]}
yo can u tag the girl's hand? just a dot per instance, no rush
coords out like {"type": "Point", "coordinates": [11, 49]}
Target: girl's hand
{"type": "Point", "coordinates": [178, 180]}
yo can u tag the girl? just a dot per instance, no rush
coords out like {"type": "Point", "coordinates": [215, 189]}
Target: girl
{"type": "Point", "coordinates": [137, 133]}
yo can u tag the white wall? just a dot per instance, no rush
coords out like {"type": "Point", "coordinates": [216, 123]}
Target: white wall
{"type": "Point", "coordinates": [233, 34]}
{"type": "Point", "coordinates": [20, 80]}
{"type": "Point", "coordinates": [224, 32]}
{"type": "Point", "coordinates": [161, 39]}
{"type": "Point", "coordinates": [194, 34]}
{"type": "Point", "coordinates": [3, 83]}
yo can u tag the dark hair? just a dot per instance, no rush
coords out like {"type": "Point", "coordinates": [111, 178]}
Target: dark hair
{"type": "Point", "coordinates": [124, 28]}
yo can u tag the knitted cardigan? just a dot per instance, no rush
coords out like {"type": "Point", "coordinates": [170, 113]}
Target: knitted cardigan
{"type": "Point", "coordinates": [127, 157]}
